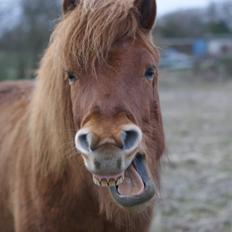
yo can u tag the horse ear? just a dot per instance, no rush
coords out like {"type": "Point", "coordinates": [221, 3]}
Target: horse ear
{"type": "Point", "coordinates": [147, 11]}
{"type": "Point", "coordinates": [69, 5]}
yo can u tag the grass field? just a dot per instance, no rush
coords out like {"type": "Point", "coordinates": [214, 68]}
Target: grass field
{"type": "Point", "coordinates": [196, 193]}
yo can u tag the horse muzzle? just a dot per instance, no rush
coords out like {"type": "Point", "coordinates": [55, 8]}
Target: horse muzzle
{"type": "Point", "coordinates": [122, 169]}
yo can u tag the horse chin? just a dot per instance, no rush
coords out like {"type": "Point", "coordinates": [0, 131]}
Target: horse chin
{"type": "Point", "coordinates": [137, 188]}
{"type": "Point", "coordinates": [132, 188]}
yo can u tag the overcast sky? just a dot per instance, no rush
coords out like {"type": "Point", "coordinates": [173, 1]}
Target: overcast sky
{"type": "Point", "coordinates": [165, 6]}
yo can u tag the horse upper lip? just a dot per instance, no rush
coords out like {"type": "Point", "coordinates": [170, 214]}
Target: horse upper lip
{"type": "Point", "coordinates": [109, 180]}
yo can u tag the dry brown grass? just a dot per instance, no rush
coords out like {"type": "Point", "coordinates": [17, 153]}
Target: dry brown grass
{"type": "Point", "coordinates": [196, 191]}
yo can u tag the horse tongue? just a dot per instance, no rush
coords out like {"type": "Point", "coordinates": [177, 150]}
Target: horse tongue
{"type": "Point", "coordinates": [132, 184]}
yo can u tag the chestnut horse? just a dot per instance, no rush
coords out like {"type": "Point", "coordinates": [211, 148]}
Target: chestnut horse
{"type": "Point", "coordinates": [80, 146]}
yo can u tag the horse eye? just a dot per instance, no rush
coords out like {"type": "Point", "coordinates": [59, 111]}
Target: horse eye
{"type": "Point", "coordinates": [150, 74]}
{"type": "Point", "coordinates": [72, 78]}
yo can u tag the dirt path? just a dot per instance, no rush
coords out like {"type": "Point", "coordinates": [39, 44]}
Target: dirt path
{"type": "Point", "coordinates": [196, 191]}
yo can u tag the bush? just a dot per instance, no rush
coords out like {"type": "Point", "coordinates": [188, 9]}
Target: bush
{"type": "Point", "coordinates": [226, 63]}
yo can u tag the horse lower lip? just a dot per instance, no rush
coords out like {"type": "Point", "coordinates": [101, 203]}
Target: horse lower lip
{"type": "Point", "coordinates": [149, 189]}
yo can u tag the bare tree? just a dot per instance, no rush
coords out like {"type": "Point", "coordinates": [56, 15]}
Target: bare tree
{"type": "Point", "coordinates": [182, 23]}
{"type": "Point", "coordinates": [26, 34]}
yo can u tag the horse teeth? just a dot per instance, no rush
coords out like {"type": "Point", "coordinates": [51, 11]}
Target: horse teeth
{"type": "Point", "coordinates": [111, 182]}
{"type": "Point", "coordinates": [120, 180]}
{"type": "Point", "coordinates": [104, 183]}
{"type": "Point", "coordinates": [96, 181]}
{"type": "Point", "coordinates": [108, 182]}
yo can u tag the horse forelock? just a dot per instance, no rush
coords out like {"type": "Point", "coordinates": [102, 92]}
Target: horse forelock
{"type": "Point", "coordinates": [86, 35]}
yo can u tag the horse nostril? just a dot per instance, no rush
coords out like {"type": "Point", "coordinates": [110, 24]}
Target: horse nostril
{"type": "Point", "coordinates": [83, 141]}
{"type": "Point", "coordinates": [131, 136]}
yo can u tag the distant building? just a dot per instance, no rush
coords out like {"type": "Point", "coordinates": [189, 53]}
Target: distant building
{"type": "Point", "coordinates": [200, 47]}
{"type": "Point", "coordinates": [219, 46]}
{"type": "Point", "coordinates": [206, 46]}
